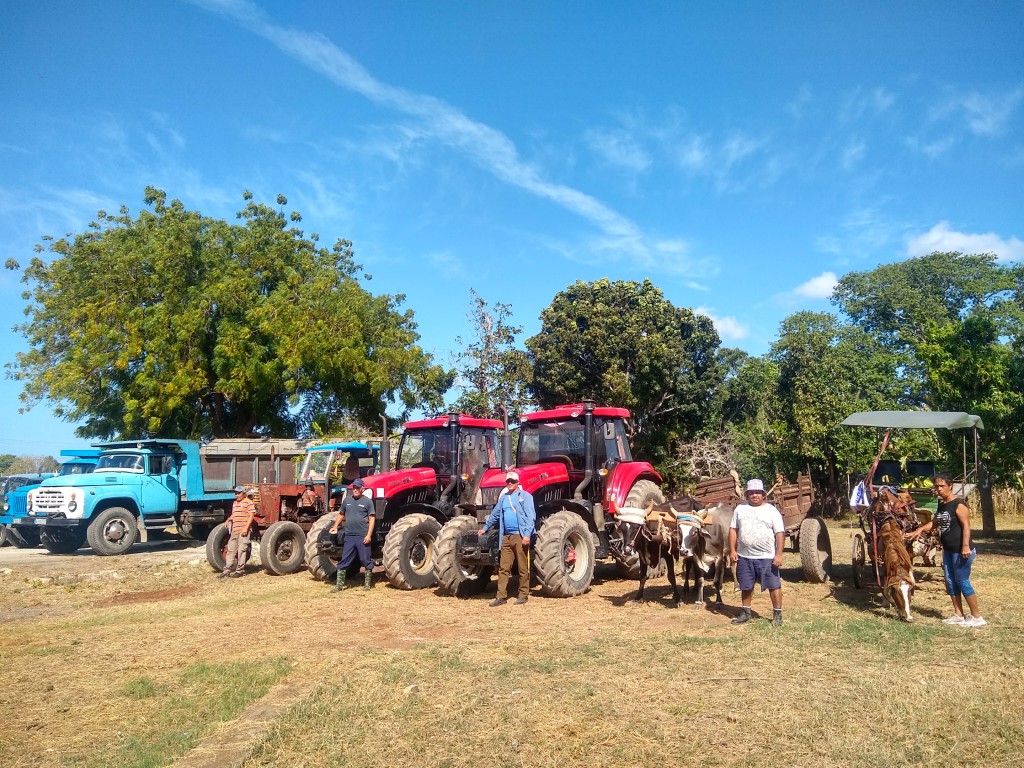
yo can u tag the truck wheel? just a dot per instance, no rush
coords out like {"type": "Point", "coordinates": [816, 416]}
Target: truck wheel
{"type": "Point", "coordinates": [25, 538]}
{"type": "Point", "coordinates": [564, 555]}
{"type": "Point", "coordinates": [283, 547]}
{"type": "Point", "coordinates": [217, 547]}
{"type": "Point", "coordinates": [195, 531]}
{"type": "Point", "coordinates": [452, 577]}
{"type": "Point", "coordinates": [642, 492]}
{"type": "Point", "coordinates": [62, 541]}
{"type": "Point", "coordinates": [815, 550]}
{"type": "Point", "coordinates": [112, 531]}
{"type": "Point", "coordinates": [409, 551]}
{"type": "Point", "coordinates": [5, 535]}
{"type": "Point", "coordinates": [320, 566]}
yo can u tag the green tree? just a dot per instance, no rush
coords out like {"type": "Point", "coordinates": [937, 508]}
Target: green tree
{"type": "Point", "coordinates": [492, 373]}
{"type": "Point", "coordinates": [175, 324]}
{"type": "Point", "coordinates": [957, 321]}
{"type": "Point", "coordinates": [827, 370]}
{"type": "Point", "coordinates": [622, 343]}
{"type": "Point", "coordinates": [6, 459]}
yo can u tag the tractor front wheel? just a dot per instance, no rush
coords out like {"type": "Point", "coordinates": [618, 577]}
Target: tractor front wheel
{"type": "Point", "coordinates": [409, 551]}
{"type": "Point", "coordinates": [217, 547]}
{"type": "Point", "coordinates": [452, 577]}
{"type": "Point", "coordinates": [282, 547]}
{"type": "Point", "coordinates": [564, 555]}
{"type": "Point", "coordinates": [320, 566]}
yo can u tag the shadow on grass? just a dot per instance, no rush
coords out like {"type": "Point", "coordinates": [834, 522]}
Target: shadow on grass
{"type": "Point", "coordinates": [1008, 543]}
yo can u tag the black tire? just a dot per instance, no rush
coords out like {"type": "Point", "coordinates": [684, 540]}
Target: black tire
{"type": "Point", "coordinates": [24, 538]}
{"type": "Point", "coordinates": [320, 566]}
{"type": "Point", "coordinates": [409, 551]}
{"type": "Point", "coordinates": [112, 531]}
{"type": "Point", "coordinates": [564, 555]}
{"type": "Point", "coordinates": [5, 535]}
{"type": "Point", "coordinates": [815, 550]}
{"type": "Point", "coordinates": [195, 531]}
{"type": "Point", "coordinates": [217, 547]}
{"type": "Point", "coordinates": [283, 547]}
{"type": "Point", "coordinates": [452, 577]}
{"type": "Point", "coordinates": [858, 559]}
{"type": "Point", "coordinates": [62, 541]}
{"type": "Point", "coordinates": [642, 492]}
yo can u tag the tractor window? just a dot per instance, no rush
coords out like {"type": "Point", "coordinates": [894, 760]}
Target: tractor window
{"type": "Point", "coordinates": [428, 447]}
{"type": "Point", "coordinates": [552, 441]}
{"type": "Point", "coordinates": [480, 448]}
{"type": "Point", "coordinates": [316, 464]}
{"type": "Point", "coordinates": [612, 437]}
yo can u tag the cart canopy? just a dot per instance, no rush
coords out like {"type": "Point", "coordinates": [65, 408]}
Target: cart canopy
{"type": "Point", "coordinates": [914, 420]}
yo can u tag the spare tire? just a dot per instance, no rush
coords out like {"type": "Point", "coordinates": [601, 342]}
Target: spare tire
{"type": "Point", "coordinates": [282, 547]}
{"type": "Point", "coordinates": [815, 550]}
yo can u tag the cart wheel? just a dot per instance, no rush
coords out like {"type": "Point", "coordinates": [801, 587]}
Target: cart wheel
{"type": "Point", "coordinates": [858, 559]}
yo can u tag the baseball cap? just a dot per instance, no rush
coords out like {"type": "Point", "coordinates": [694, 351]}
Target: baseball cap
{"type": "Point", "coordinates": [755, 486]}
{"type": "Point", "coordinates": [357, 483]}
{"type": "Point", "coordinates": [239, 489]}
{"type": "Point", "coordinates": [512, 476]}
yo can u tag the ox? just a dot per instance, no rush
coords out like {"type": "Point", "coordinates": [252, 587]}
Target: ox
{"type": "Point", "coordinates": [898, 587]}
{"type": "Point", "coordinates": [654, 535]}
{"type": "Point", "coordinates": [705, 550]}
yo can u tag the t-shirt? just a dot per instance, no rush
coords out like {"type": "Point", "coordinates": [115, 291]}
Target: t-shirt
{"type": "Point", "coordinates": [951, 530]}
{"type": "Point", "coordinates": [755, 530]}
{"type": "Point", "coordinates": [241, 512]}
{"type": "Point", "coordinates": [357, 515]}
{"type": "Point", "coordinates": [509, 519]}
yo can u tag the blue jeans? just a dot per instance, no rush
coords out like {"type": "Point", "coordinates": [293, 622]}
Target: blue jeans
{"type": "Point", "coordinates": [957, 571]}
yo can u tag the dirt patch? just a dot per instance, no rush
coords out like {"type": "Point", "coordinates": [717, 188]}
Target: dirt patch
{"type": "Point", "coordinates": [146, 597]}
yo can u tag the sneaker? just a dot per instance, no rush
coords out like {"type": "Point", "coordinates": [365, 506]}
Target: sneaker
{"type": "Point", "coordinates": [956, 618]}
{"type": "Point", "coordinates": [520, 601]}
{"type": "Point", "coordinates": [973, 622]}
{"type": "Point", "coordinates": [223, 575]}
{"type": "Point", "coordinates": [497, 601]}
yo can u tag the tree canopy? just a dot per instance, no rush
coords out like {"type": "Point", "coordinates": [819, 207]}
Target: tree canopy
{"type": "Point", "coordinates": [622, 343]}
{"type": "Point", "coordinates": [171, 323]}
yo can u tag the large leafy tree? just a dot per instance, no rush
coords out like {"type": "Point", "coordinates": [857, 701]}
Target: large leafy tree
{"type": "Point", "coordinates": [622, 343]}
{"type": "Point", "coordinates": [957, 321]}
{"type": "Point", "coordinates": [491, 371]}
{"type": "Point", "coordinates": [827, 370]}
{"type": "Point", "coordinates": [170, 323]}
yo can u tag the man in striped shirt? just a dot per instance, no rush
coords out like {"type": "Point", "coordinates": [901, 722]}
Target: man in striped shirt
{"type": "Point", "coordinates": [243, 512]}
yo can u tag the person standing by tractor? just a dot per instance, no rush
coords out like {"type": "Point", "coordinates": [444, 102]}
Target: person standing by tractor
{"type": "Point", "coordinates": [953, 520]}
{"type": "Point", "coordinates": [309, 501]}
{"type": "Point", "coordinates": [243, 513]}
{"type": "Point", "coordinates": [756, 536]}
{"type": "Point", "coordinates": [515, 516]}
{"type": "Point", "coordinates": [358, 517]}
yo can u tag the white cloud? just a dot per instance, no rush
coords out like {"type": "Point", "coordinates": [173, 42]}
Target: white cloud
{"type": "Point", "coordinates": [852, 153]}
{"type": "Point", "coordinates": [618, 148]}
{"type": "Point", "coordinates": [488, 148]}
{"type": "Point", "coordinates": [694, 155]}
{"type": "Point", "coordinates": [984, 115]}
{"type": "Point", "coordinates": [729, 328]}
{"type": "Point", "coordinates": [942, 238]}
{"type": "Point", "coordinates": [819, 287]}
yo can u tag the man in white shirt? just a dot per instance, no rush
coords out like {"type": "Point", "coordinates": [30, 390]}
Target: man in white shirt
{"type": "Point", "coordinates": [756, 537]}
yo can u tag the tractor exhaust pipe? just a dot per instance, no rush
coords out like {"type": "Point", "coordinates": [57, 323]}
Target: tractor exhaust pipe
{"type": "Point", "coordinates": [506, 441]}
{"type": "Point", "coordinates": [385, 447]}
{"type": "Point", "coordinates": [588, 448]}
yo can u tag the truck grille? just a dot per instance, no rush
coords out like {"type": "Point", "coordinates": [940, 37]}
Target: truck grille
{"type": "Point", "coordinates": [47, 501]}
{"type": "Point", "coordinates": [17, 502]}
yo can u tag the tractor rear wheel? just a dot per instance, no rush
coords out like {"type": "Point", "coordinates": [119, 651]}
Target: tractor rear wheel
{"type": "Point", "coordinates": [815, 550]}
{"type": "Point", "coordinates": [217, 547]}
{"type": "Point", "coordinates": [282, 547]}
{"type": "Point", "coordinates": [453, 578]}
{"type": "Point", "coordinates": [24, 538]}
{"type": "Point", "coordinates": [564, 555]}
{"type": "Point", "coordinates": [640, 495]}
{"type": "Point", "coordinates": [62, 541]}
{"type": "Point", "coordinates": [320, 566]}
{"type": "Point", "coordinates": [409, 551]}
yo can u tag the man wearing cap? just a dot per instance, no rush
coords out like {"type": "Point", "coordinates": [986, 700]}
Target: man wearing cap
{"type": "Point", "coordinates": [243, 512]}
{"type": "Point", "coordinates": [515, 517]}
{"type": "Point", "coordinates": [358, 516]}
{"type": "Point", "coordinates": [756, 536]}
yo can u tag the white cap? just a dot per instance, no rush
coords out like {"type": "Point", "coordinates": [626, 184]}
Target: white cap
{"type": "Point", "coordinates": [512, 476]}
{"type": "Point", "coordinates": [755, 486]}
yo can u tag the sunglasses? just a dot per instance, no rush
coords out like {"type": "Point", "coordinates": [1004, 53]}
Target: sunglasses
{"type": "Point", "coordinates": [511, 482]}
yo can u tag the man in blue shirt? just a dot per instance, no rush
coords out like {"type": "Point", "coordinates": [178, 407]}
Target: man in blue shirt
{"type": "Point", "coordinates": [515, 517]}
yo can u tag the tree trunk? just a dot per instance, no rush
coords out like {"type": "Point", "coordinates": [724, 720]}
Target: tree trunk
{"type": "Point", "coordinates": [988, 508]}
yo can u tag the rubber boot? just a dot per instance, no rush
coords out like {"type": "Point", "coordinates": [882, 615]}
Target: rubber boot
{"type": "Point", "coordinates": [367, 580]}
{"type": "Point", "coordinates": [744, 616]}
{"type": "Point", "coordinates": [339, 581]}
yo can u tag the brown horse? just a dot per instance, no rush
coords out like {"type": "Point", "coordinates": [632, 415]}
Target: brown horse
{"type": "Point", "coordinates": [898, 585]}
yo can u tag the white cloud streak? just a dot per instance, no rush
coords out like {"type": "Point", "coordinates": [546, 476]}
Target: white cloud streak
{"type": "Point", "coordinates": [729, 328]}
{"type": "Point", "coordinates": [819, 287]}
{"type": "Point", "coordinates": [488, 148]}
{"type": "Point", "coordinates": [942, 238]}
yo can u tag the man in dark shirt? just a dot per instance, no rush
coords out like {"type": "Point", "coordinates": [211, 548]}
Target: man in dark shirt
{"type": "Point", "coordinates": [358, 516]}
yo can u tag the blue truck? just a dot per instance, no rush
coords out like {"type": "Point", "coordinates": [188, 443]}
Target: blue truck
{"type": "Point", "coordinates": [139, 487]}
{"type": "Point", "coordinates": [74, 461]}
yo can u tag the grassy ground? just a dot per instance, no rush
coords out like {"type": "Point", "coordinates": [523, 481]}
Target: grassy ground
{"type": "Point", "coordinates": [136, 669]}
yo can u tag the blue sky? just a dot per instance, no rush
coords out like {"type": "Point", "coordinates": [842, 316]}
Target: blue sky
{"type": "Point", "coordinates": [740, 155]}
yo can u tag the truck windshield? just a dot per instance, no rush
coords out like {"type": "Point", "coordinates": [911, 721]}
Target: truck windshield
{"type": "Point", "coordinates": [121, 462]}
{"type": "Point", "coordinates": [76, 469]}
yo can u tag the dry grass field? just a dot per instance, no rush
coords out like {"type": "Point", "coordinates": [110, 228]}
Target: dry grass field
{"type": "Point", "coordinates": [147, 659]}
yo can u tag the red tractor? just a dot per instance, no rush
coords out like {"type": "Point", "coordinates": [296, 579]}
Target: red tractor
{"type": "Point", "coordinates": [575, 460]}
{"type": "Point", "coordinates": [442, 463]}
